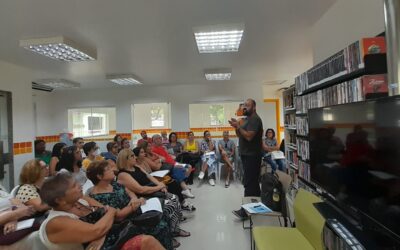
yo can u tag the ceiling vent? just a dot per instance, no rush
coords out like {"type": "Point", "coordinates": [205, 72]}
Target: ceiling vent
{"type": "Point", "coordinates": [41, 87]}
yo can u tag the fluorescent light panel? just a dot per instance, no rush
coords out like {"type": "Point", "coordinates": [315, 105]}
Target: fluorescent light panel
{"type": "Point", "coordinates": [218, 75]}
{"type": "Point", "coordinates": [124, 79]}
{"type": "Point", "coordinates": [59, 48]}
{"type": "Point", "coordinates": [220, 38]}
{"type": "Point", "coordinates": [58, 83]}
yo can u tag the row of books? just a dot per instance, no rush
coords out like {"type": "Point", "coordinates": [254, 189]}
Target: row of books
{"type": "Point", "coordinates": [354, 90]}
{"type": "Point", "coordinates": [343, 62]}
{"type": "Point", "coordinates": [303, 149]}
{"type": "Point", "coordinates": [291, 156]}
{"type": "Point", "coordinates": [304, 170]}
{"type": "Point", "coordinates": [342, 239]}
{"type": "Point", "coordinates": [290, 119]}
{"type": "Point", "coordinates": [290, 137]}
{"type": "Point", "coordinates": [288, 97]}
{"type": "Point", "coordinates": [293, 174]}
{"type": "Point", "coordinates": [302, 126]}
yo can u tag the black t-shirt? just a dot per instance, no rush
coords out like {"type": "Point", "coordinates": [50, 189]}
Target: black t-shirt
{"type": "Point", "coordinates": [253, 147]}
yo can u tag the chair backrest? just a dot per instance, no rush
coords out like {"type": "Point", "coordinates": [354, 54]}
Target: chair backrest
{"type": "Point", "coordinates": [14, 191]}
{"type": "Point", "coordinates": [308, 220]}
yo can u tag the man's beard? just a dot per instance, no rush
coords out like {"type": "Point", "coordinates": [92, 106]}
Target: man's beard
{"type": "Point", "coordinates": [247, 112]}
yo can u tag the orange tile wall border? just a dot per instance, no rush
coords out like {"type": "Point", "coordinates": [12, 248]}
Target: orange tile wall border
{"type": "Point", "coordinates": [22, 148]}
{"type": "Point", "coordinates": [49, 138]}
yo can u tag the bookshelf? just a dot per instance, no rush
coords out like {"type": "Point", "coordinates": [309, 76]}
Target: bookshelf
{"type": "Point", "coordinates": [341, 78]}
{"type": "Point", "coordinates": [290, 134]}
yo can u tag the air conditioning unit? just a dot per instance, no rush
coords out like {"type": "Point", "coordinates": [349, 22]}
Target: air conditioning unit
{"type": "Point", "coordinates": [41, 87]}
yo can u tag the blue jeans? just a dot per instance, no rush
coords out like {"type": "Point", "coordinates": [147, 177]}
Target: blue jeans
{"type": "Point", "coordinates": [280, 163]}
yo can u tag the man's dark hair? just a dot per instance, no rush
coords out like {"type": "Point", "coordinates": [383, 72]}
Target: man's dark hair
{"type": "Point", "coordinates": [75, 140]}
{"type": "Point", "coordinates": [39, 141]}
{"type": "Point", "coordinates": [88, 146]}
{"type": "Point", "coordinates": [252, 102]}
{"type": "Point", "coordinates": [110, 145]}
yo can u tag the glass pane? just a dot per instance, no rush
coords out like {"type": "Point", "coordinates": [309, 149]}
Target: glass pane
{"type": "Point", "coordinates": [217, 115]}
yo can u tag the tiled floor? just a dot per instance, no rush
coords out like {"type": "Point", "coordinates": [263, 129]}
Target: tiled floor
{"type": "Point", "coordinates": [212, 225]}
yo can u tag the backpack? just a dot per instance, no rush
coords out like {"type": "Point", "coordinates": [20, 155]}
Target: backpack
{"type": "Point", "coordinates": [272, 194]}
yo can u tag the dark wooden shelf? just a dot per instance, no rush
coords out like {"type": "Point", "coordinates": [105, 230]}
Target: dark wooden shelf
{"type": "Point", "coordinates": [373, 64]}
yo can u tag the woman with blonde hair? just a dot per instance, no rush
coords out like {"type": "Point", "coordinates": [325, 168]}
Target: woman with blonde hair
{"type": "Point", "coordinates": [31, 180]}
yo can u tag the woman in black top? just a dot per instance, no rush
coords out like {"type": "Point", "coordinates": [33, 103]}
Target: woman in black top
{"type": "Point", "coordinates": [139, 182]}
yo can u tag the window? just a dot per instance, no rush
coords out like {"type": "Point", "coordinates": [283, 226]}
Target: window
{"type": "Point", "coordinates": [86, 122]}
{"type": "Point", "coordinates": [217, 115]}
{"type": "Point", "coordinates": [151, 115]}
{"type": "Point", "coordinates": [203, 115]}
{"type": "Point", "coordinates": [157, 116]}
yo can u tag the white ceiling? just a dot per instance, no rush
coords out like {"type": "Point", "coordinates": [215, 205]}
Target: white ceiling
{"type": "Point", "coordinates": [153, 39]}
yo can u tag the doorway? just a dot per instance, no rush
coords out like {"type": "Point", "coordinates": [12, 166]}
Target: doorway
{"type": "Point", "coordinates": [273, 107]}
{"type": "Point", "coordinates": [6, 141]}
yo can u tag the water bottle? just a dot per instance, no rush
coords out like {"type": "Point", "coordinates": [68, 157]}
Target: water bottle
{"type": "Point", "coordinates": [275, 195]}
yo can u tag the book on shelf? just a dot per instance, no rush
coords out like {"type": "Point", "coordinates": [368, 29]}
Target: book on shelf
{"type": "Point", "coordinates": [292, 157]}
{"type": "Point", "coordinates": [302, 126]}
{"type": "Point", "coordinates": [290, 119]}
{"type": "Point", "coordinates": [304, 170]}
{"type": "Point", "coordinates": [372, 84]}
{"type": "Point", "coordinates": [303, 148]}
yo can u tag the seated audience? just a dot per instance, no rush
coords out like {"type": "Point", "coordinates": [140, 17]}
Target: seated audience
{"type": "Point", "coordinates": [139, 182]}
{"type": "Point", "coordinates": [143, 134]}
{"type": "Point", "coordinates": [153, 160]}
{"type": "Point", "coordinates": [92, 154]}
{"type": "Point", "coordinates": [172, 186]}
{"type": "Point", "coordinates": [41, 152]}
{"type": "Point", "coordinates": [112, 152]}
{"type": "Point", "coordinates": [210, 163]}
{"type": "Point", "coordinates": [55, 157]}
{"type": "Point", "coordinates": [31, 180]}
{"type": "Point", "coordinates": [109, 192]}
{"type": "Point", "coordinates": [164, 136]}
{"type": "Point", "coordinates": [78, 142]}
{"type": "Point", "coordinates": [227, 150]}
{"type": "Point", "coordinates": [270, 144]}
{"type": "Point", "coordinates": [180, 171]}
{"type": "Point", "coordinates": [190, 155]}
{"type": "Point", "coordinates": [118, 140]}
{"type": "Point", "coordinates": [174, 146]}
{"type": "Point", "coordinates": [125, 144]}
{"type": "Point", "coordinates": [66, 227]}
{"type": "Point", "coordinates": [71, 161]}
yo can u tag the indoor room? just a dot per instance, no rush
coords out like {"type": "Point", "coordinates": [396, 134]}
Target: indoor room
{"type": "Point", "coordinates": [200, 124]}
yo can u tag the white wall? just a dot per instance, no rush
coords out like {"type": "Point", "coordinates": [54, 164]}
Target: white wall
{"type": "Point", "coordinates": [57, 103]}
{"type": "Point", "coordinates": [345, 22]}
{"type": "Point", "coordinates": [17, 80]}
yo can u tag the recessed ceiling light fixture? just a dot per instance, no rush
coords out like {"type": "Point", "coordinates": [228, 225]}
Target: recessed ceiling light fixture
{"type": "Point", "coordinates": [126, 79]}
{"type": "Point", "coordinates": [59, 48]}
{"type": "Point", "coordinates": [218, 38]}
{"type": "Point", "coordinates": [218, 75]}
{"type": "Point", "coordinates": [58, 83]}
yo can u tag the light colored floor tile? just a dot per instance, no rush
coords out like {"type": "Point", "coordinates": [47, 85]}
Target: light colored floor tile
{"type": "Point", "coordinates": [213, 226]}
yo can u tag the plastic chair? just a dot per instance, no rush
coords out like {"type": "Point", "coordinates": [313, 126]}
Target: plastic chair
{"type": "Point", "coordinates": [14, 191]}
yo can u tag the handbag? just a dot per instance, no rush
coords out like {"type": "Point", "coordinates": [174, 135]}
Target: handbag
{"type": "Point", "coordinates": [150, 218]}
{"type": "Point", "coordinates": [277, 155]}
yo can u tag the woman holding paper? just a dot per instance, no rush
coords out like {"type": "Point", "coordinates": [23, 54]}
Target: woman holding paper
{"type": "Point", "coordinates": [76, 221]}
{"type": "Point", "coordinates": [210, 162]}
{"type": "Point", "coordinates": [139, 182]}
{"type": "Point", "coordinates": [109, 192]}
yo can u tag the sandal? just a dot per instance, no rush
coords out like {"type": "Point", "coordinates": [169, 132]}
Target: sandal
{"type": "Point", "coordinates": [181, 233]}
{"type": "Point", "coordinates": [175, 243]}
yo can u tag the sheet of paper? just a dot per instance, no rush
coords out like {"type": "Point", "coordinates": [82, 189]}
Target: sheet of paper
{"type": "Point", "coordinates": [256, 208]}
{"type": "Point", "coordinates": [160, 173]}
{"type": "Point", "coordinates": [151, 205]}
{"type": "Point", "coordinates": [24, 224]}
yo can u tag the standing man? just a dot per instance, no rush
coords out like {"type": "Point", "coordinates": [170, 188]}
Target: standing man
{"type": "Point", "coordinates": [250, 144]}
